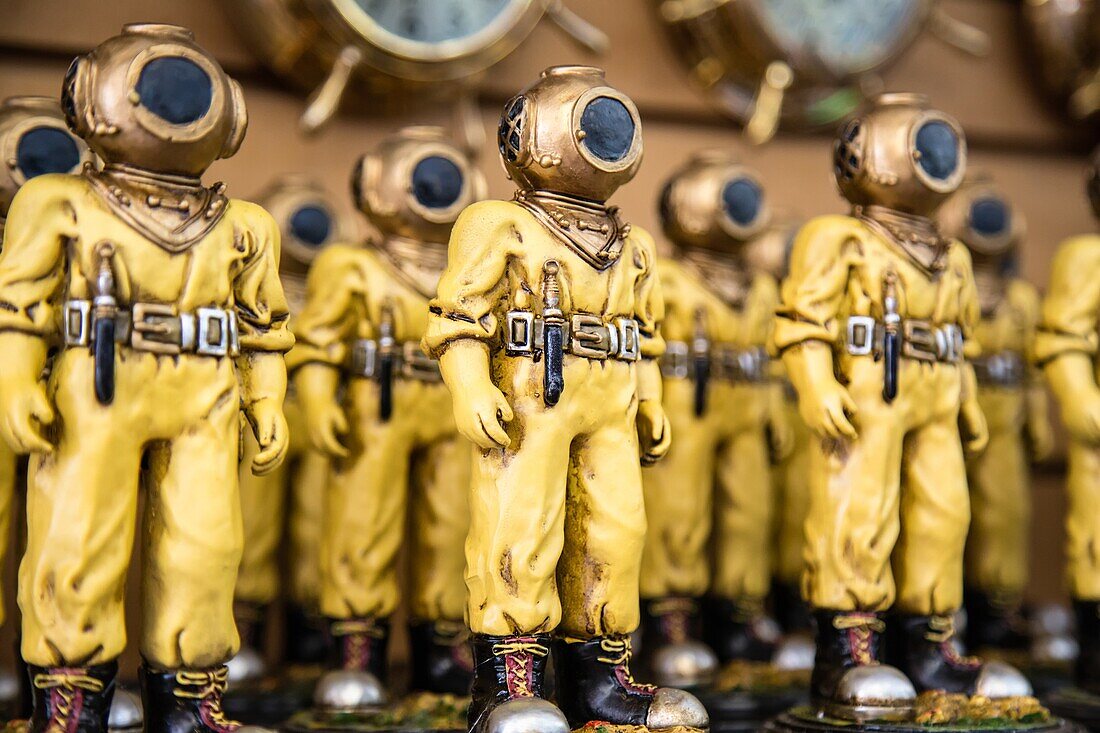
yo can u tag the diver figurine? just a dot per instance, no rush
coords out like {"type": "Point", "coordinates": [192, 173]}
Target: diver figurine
{"type": "Point", "coordinates": [886, 527]}
{"type": "Point", "coordinates": [1066, 346]}
{"type": "Point", "coordinates": [283, 508]}
{"type": "Point", "coordinates": [717, 394]}
{"type": "Point", "coordinates": [376, 405]}
{"type": "Point", "coordinates": [557, 513]}
{"type": "Point", "coordinates": [1012, 395]}
{"type": "Point", "coordinates": [200, 327]}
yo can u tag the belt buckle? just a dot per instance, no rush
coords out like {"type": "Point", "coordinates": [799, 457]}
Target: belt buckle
{"type": "Point", "coordinates": [861, 335]}
{"type": "Point", "coordinates": [675, 360]}
{"type": "Point", "coordinates": [750, 362]}
{"type": "Point", "coordinates": [215, 332]}
{"type": "Point", "coordinates": [920, 341]}
{"type": "Point", "coordinates": [146, 334]}
{"type": "Point", "coordinates": [76, 317]}
{"type": "Point", "coordinates": [630, 342]}
{"type": "Point", "coordinates": [519, 332]}
{"type": "Point", "coordinates": [364, 358]}
{"type": "Point", "coordinates": [585, 337]}
{"type": "Point", "coordinates": [952, 341]}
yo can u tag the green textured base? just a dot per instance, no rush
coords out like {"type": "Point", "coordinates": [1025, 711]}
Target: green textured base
{"type": "Point", "coordinates": [1077, 705]}
{"type": "Point", "coordinates": [806, 720]}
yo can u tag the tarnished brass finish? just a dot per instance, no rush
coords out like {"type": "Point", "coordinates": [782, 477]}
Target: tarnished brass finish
{"type": "Point", "coordinates": [18, 117]}
{"type": "Point", "coordinates": [542, 142]}
{"type": "Point", "coordinates": [103, 105]}
{"type": "Point", "coordinates": [878, 162]}
{"type": "Point", "coordinates": [961, 218]}
{"type": "Point", "coordinates": [1065, 41]}
{"type": "Point", "coordinates": [286, 198]}
{"type": "Point", "coordinates": [384, 190]}
{"type": "Point", "coordinates": [698, 209]}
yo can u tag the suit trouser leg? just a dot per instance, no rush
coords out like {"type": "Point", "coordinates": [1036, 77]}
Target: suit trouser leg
{"type": "Point", "coordinates": [193, 542]}
{"type": "Point", "coordinates": [678, 501]}
{"type": "Point", "coordinates": [935, 517]}
{"type": "Point", "coordinates": [997, 545]}
{"type": "Point", "coordinates": [853, 519]}
{"type": "Point", "coordinates": [743, 524]}
{"type": "Point", "coordinates": [440, 520]}
{"type": "Point", "coordinates": [1083, 522]}
{"type": "Point", "coordinates": [81, 514]}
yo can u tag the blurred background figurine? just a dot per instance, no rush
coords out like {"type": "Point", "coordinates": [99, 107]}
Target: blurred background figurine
{"type": "Point", "coordinates": [546, 326]}
{"type": "Point", "coordinates": [1066, 346]}
{"type": "Point", "coordinates": [1012, 395]}
{"type": "Point", "coordinates": [281, 511]}
{"type": "Point", "coordinates": [718, 319]}
{"type": "Point", "coordinates": [164, 297]}
{"type": "Point", "coordinates": [376, 405]}
{"type": "Point", "coordinates": [876, 312]}
{"type": "Point", "coordinates": [35, 141]}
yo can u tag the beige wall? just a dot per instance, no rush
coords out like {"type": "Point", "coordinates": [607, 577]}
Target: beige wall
{"type": "Point", "coordinates": [1012, 134]}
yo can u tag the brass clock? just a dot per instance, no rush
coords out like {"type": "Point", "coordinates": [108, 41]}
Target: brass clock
{"type": "Point", "coordinates": [799, 63]}
{"type": "Point", "coordinates": [391, 48]}
{"type": "Point", "coordinates": [1064, 36]}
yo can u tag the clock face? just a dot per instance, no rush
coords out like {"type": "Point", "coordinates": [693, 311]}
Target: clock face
{"type": "Point", "coordinates": [432, 29]}
{"type": "Point", "coordinates": [847, 37]}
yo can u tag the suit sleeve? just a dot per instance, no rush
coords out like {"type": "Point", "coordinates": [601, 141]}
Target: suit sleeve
{"type": "Point", "coordinates": [327, 322]}
{"type": "Point", "coordinates": [812, 294]}
{"type": "Point", "coordinates": [32, 262]}
{"type": "Point", "coordinates": [1069, 313]}
{"type": "Point", "coordinates": [262, 311]}
{"type": "Point", "coordinates": [467, 302]}
{"type": "Point", "coordinates": [649, 303]}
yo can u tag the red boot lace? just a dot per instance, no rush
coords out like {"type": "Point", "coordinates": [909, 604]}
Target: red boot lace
{"type": "Point", "coordinates": [941, 631]}
{"type": "Point", "coordinates": [66, 686]}
{"type": "Point", "coordinates": [861, 629]}
{"type": "Point", "coordinates": [207, 686]}
{"type": "Point", "coordinates": [354, 637]}
{"type": "Point", "coordinates": [519, 663]}
{"type": "Point", "coordinates": [620, 647]}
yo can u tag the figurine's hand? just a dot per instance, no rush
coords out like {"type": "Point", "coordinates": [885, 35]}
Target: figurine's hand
{"type": "Point", "coordinates": [829, 411]}
{"type": "Point", "coordinates": [1081, 416]}
{"type": "Point", "coordinates": [265, 416]}
{"type": "Point", "coordinates": [326, 424]}
{"type": "Point", "coordinates": [480, 414]}
{"type": "Point", "coordinates": [972, 425]}
{"type": "Point", "coordinates": [25, 412]}
{"type": "Point", "coordinates": [654, 431]}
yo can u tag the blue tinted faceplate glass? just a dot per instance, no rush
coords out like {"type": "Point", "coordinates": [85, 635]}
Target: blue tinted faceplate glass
{"type": "Point", "coordinates": [608, 129]}
{"type": "Point", "coordinates": [990, 216]}
{"type": "Point", "coordinates": [938, 146]}
{"type": "Point", "coordinates": [437, 182]}
{"type": "Point", "coordinates": [741, 199]}
{"type": "Point", "coordinates": [175, 89]}
{"type": "Point", "coordinates": [46, 150]}
{"type": "Point", "coordinates": [311, 225]}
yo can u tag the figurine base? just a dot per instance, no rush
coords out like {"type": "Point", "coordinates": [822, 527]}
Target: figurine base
{"type": "Point", "coordinates": [422, 712]}
{"type": "Point", "coordinates": [746, 694]}
{"type": "Point", "coordinates": [936, 711]}
{"type": "Point", "coordinates": [272, 700]}
{"type": "Point", "coordinates": [1077, 705]}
